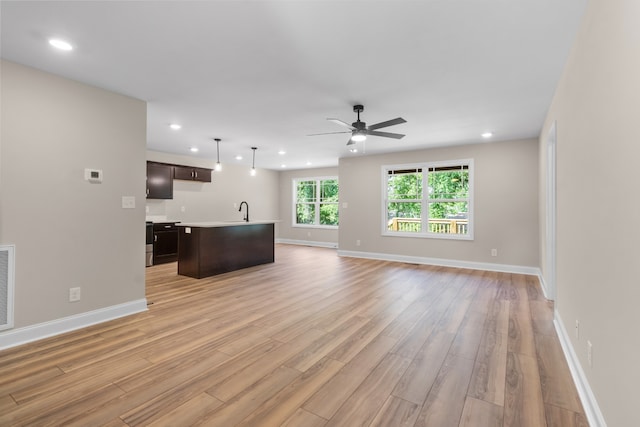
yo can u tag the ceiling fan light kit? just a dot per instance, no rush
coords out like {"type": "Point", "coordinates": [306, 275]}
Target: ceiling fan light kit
{"type": "Point", "coordinates": [359, 130]}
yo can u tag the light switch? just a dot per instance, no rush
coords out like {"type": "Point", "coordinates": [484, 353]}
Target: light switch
{"type": "Point", "coordinates": [128, 202]}
{"type": "Point", "coordinates": [344, 205]}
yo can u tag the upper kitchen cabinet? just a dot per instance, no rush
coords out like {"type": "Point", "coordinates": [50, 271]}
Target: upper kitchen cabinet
{"type": "Point", "coordinates": [159, 181]}
{"type": "Point", "coordinates": [190, 173]}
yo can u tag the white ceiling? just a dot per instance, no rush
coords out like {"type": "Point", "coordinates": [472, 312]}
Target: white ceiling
{"type": "Point", "coordinates": [268, 73]}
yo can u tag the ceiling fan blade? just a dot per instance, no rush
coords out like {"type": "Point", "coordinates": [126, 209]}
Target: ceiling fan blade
{"type": "Point", "coordinates": [386, 134]}
{"type": "Point", "coordinates": [392, 122]}
{"type": "Point", "coordinates": [327, 133]}
{"type": "Point", "coordinates": [341, 123]}
{"type": "Point", "coordinates": [350, 142]}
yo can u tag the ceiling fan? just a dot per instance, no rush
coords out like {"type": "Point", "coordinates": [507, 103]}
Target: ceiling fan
{"type": "Point", "coordinates": [359, 130]}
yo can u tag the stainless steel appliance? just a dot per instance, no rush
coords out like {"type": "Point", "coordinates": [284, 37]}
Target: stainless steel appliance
{"type": "Point", "coordinates": [149, 244]}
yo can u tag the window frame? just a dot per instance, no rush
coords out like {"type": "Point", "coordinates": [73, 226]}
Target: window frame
{"type": "Point", "coordinates": [317, 203]}
{"type": "Point", "coordinates": [425, 201]}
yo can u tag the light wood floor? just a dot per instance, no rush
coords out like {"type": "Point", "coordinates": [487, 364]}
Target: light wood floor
{"type": "Point", "coordinates": [312, 340]}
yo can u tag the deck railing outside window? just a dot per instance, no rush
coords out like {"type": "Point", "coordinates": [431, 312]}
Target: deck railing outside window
{"type": "Point", "coordinates": [442, 226]}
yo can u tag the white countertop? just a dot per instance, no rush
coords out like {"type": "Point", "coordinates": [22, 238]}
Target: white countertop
{"type": "Point", "coordinates": [209, 224]}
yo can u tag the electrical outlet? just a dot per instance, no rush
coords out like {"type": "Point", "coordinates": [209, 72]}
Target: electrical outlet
{"type": "Point", "coordinates": [494, 252]}
{"type": "Point", "coordinates": [357, 242]}
{"type": "Point", "coordinates": [182, 209]}
{"type": "Point", "coordinates": [577, 329]}
{"type": "Point", "coordinates": [74, 294]}
{"type": "Point", "coordinates": [589, 353]}
{"type": "Point", "coordinates": [308, 234]}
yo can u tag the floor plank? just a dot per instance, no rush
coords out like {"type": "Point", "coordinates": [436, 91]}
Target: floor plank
{"type": "Point", "coordinates": [478, 413]}
{"type": "Point", "coordinates": [557, 385]}
{"type": "Point", "coordinates": [285, 403]}
{"type": "Point", "coordinates": [396, 412]}
{"type": "Point", "coordinates": [523, 396]}
{"type": "Point", "coordinates": [559, 417]}
{"type": "Point", "coordinates": [303, 418]}
{"type": "Point", "coordinates": [445, 402]}
{"type": "Point", "coordinates": [363, 405]}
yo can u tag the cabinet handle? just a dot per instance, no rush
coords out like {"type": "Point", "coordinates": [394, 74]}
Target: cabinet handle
{"type": "Point", "coordinates": [147, 191]}
{"type": "Point", "coordinates": [155, 237]}
{"type": "Point", "coordinates": [196, 172]}
{"type": "Point", "coordinates": [192, 174]}
{"type": "Point", "coordinates": [167, 226]}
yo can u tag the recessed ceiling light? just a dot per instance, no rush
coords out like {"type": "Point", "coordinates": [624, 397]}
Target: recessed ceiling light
{"type": "Point", "coordinates": [308, 163]}
{"type": "Point", "coordinates": [282, 152]}
{"type": "Point", "coordinates": [175, 126]}
{"type": "Point", "coordinates": [354, 150]}
{"type": "Point", "coordinates": [60, 44]}
{"type": "Point", "coordinates": [487, 135]}
{"type": "Point", "coordinates": [238, 157]}
{"type": "Point", "coordinates": [194, 149]}
{"type": "Point", "coordinates": [283, 166]}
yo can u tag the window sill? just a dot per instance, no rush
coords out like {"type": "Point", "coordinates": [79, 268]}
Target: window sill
{"type": "Point", "coordinates": [325, 227]}
{"type": "Point", "coordinates": [442, 236]}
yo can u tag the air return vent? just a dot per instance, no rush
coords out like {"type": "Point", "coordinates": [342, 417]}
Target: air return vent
{"type": "Point", "coordinates": [6, 286]}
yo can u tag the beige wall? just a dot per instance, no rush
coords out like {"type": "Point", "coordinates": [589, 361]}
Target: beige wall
{"type": "Point", "coordinates": [214, 201]}
{"type": "Point", "coordinates": [596, 106]}
{"type": "Point", "coordinates": [68, 232]}
{"type": "Point", "coordinates": [506, 205]}
{"type": "Point", "coordinates": [320, 236]}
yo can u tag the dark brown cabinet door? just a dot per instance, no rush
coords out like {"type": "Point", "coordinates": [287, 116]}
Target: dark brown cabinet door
{"type": "Point", "coordinates": [165, 243]}
{"type": "Point", "coordinates": [159, 181]}
{"type": "Point", "coordinates": [203, 175]}
{"type": "Point", "coordinates": [183, 172]}
{"type": "Point", "coordinates": [188, 173]}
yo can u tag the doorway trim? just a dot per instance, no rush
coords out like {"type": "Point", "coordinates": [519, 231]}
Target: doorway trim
{"type": "Point", "coordinates": [551, 213]}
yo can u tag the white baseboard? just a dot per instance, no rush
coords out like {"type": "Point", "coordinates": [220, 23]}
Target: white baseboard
{"type": "Point", "coordinates": [543, 285]}
{"type": "Point", "coordinates": [591, 408]}
{"type": "Point", "coordinates": [308, 243]}
{"type": "Point", "coordinates": [505, 268]}
{"type": "Point", "coordinates": [15, 337]}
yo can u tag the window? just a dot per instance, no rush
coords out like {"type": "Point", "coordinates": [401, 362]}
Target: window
{"type": "Point", "coordinates": [429, 200]}
{"type": "Point", "coordinates": [315, 202]}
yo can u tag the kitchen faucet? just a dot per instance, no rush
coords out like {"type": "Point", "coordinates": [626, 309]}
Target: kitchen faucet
{"type": "Point", "coordinates": [246, 218]}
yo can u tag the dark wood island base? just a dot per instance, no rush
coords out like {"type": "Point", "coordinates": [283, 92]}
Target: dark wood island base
{"type": "Point", "coordinates": [208, 250]}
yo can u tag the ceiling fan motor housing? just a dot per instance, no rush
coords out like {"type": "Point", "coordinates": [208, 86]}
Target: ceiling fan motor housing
{"type": "Point", "coordinates": [359, 125]}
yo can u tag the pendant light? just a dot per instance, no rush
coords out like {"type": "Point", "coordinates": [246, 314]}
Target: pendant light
{"type": "Point", "coordinates": [218, 165]}
{"type": "Point", "coordinates": [253, 165]}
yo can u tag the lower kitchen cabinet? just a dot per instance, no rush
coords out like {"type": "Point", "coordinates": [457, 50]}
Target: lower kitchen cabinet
{"type": "Point", "coordinates": [165, 242]}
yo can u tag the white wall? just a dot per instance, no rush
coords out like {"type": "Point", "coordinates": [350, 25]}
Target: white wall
{"type": "Point", "coordinates": [68, 232]}
{"type": "Point", "coordinates": [288, 232]}
{"type": "Point", "coordinates": [218, 200]}
{"type": "Point", "coordinates": [505, 205]}
{"type": "Point", "coordinates": [596, 106]}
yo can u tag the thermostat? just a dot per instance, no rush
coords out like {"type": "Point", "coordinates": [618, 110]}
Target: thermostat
{"type": "Point", "coordinates": [93, 175]}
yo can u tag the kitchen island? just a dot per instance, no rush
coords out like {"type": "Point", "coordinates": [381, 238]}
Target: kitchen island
{"type": "Point", "coordinates": [209, 248]}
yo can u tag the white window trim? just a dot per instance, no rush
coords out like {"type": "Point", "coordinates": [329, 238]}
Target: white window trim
{"type": "Point", "coordinates": [294, 186]}
{"type": "Point", "coordinates": [425, 167]}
